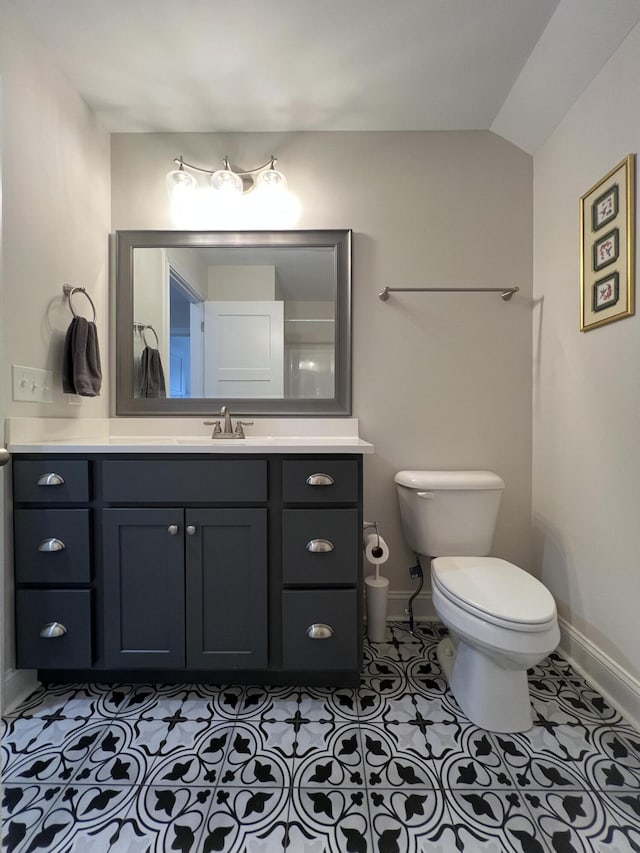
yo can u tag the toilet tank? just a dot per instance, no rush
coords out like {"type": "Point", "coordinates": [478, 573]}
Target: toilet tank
{"type": "Point", "coordinates": [449, 513]}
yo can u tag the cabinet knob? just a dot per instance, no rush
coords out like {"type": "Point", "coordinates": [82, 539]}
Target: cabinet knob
{"type": "Point", "coordinates": [319, 546]}
{"type": "Point", "coordinates": [319, 480]}
{"type": "Point", "coordinates": [50, 479]}
{"type": "Point", "coordinates": [191, 530]}
{"type": "Point", "coordinates": [172, 529]}
{"type": "Point", "coordinates": [318, 631]}
{"type": "Point", "coordinates": [52, 630]}
{"type": "Point", "coordinates": [51, 545]}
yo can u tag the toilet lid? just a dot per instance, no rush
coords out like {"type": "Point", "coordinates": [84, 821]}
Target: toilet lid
{"type": "Point", "coordinates": [494, 587]}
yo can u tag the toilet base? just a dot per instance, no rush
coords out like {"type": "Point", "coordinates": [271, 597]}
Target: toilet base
{"type": "Point", "coordinates": [493, 698]}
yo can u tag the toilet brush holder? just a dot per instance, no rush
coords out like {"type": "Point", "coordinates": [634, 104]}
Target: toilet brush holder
{"type": "Point", "coordinates": [377, 594]}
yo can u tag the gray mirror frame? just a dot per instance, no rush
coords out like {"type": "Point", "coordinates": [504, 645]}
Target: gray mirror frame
{"type": "Point", "coordinates": [127, 241]}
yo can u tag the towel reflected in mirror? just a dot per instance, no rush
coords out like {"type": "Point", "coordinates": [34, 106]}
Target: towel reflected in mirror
{"type": "Point", "coordinates": [152, 383]}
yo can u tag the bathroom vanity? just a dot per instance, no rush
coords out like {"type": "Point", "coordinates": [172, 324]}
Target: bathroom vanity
{"type": "Point", "coordinates": [191, 558]}
{"type": "Point", "coordinates": [179, 559]}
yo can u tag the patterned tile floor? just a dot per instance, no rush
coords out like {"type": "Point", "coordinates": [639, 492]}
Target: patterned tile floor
{"type": "Point", "coordinates": [391, 767]}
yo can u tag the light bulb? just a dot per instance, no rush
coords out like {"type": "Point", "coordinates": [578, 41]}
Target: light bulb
{"type": "Point", "coordinates": [179, 181]}
{"type": "Point", "coordinates": [182, 189]}
{"type": "Point", "coordinates": [224, 180]}
{"type": "Point", "coordinates": [272, 179]}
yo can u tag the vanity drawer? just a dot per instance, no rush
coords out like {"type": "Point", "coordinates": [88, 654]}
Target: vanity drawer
{"type": "Point", "coordinates": [320, 546]}
{"type": "Point", "coordinates": [335, 610]}
{"type": "Point", "coordinates": [184, 481]}
{"type": "Point", "coordinates": [68, 609]}
{"type": "Point", "coordinates": [51, 481]}
{"type": "Point", "coordinates": [320, 481]}
{"type": "Point", "coordinates": [52, 546]}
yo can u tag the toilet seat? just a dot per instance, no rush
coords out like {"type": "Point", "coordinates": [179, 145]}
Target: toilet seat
{"type": "Point", "coordinates": [496, 591]}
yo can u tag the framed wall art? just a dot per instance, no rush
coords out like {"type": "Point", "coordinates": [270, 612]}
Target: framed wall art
{"type": "Point", "coordinates": [607, 248]}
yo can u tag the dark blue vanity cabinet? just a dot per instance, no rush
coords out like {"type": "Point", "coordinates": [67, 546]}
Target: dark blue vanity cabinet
{"type": "Point", "coordinates": [53, 547]}
{"type": "Point", "coordinates": [185, 588]}
{"type": "Point", "coordinates": [194, 567]}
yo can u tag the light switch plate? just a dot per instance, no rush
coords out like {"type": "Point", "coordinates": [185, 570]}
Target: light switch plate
{"type": "Point", "coordinates": [31, 384]}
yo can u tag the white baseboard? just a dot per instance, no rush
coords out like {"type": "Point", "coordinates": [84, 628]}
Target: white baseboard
{"type": "Point", "coordinates": [422, 606]}
{"type": "Point", "coordinates": [619, 687]}
{"type": "Point", "coordinates": [18, 684]}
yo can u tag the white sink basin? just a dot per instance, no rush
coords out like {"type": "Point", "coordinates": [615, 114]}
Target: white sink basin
{"type": "Point", "coordinates": [258, 440]}
{"type": "Point", "coordinates": [261, 439]}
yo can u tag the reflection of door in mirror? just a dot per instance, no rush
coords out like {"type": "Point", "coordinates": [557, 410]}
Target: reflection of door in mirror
{"type": "Point", "coordinates": [243, 351]}
{"type": "Point", "coordinates": [185, 338]}
{"type": "Point", "coordinates": [243, 318]}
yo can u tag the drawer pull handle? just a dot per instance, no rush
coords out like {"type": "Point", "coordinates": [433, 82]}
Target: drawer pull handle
{"type": "Point", "coordinates": [50, 480]}
{"type": "Point", "coordinates": [49, 545]}
{"type": "Point", "coordinates": [319, 546]}
{"type": "Point", "coordinates": [172, 529]}
{"type": "Point", "coordinates": [319, 480]}
{"type": "Point", "coordinates": [191, 530]}
{"type": "Point", "coordinates": [318, 631]}
{"type": "Point", "coordinates": [52, 630]}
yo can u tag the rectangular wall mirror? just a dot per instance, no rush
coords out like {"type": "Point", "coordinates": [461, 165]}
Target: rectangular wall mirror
{"type": "Point", "coordinates": [257, 320]}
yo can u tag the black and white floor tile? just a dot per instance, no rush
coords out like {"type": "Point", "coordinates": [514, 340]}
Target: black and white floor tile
{"type": "Point", "coordinates": [390, 767]}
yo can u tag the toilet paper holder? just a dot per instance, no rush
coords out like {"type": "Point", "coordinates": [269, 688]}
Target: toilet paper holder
{"type": "Point", "coordinates": [377, 552]}
{"type": "Point", "coordinates": [377, 587]}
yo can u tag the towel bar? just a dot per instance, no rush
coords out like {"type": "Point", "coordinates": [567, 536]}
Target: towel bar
{"type": "Point", "coordinates": [142, 328]}
{"type": "Point", "coordinates": [69, 291]}
{"type": "Point", "coordinates": [505, 292]}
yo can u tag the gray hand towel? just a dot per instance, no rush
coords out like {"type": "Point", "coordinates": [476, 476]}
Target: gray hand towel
{"type": "Point", "coordinates": [81, 369]}
{"type": "Point", "coordinates": [152, 374]}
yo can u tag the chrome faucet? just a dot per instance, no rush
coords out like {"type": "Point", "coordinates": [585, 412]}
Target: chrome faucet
{"type": "Point", "coordinates": [228, 431]}
{"type": "Point", "coordinates": [226, 414]}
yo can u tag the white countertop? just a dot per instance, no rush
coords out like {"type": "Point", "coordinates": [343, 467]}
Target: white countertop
{"type": "Point", "coordinates": [181, 444]}
{"type": "Point", "coordinates": [172, 436]}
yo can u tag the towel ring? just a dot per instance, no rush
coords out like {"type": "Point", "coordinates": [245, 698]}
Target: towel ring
{"type": "Point", "coordinates": [69, 292]}
{"type": "Point", "coordinates": [155, 334]}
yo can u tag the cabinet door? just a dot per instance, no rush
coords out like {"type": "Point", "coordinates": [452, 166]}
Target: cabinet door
{"type": "Point", "coordinates": [226, 588]}
{"type": "Point", "coordinates": [144, 588]}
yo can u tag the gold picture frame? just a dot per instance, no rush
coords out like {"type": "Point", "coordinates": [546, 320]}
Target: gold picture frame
{"type": "Point", "coordinates": [607, 248]}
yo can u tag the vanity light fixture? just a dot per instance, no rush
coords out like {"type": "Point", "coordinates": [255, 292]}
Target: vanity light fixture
{"type": "Point", "coordinates": [227, 194]}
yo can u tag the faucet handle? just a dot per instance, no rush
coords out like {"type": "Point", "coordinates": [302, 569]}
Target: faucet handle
{"type": "Point", "coordinates": [240, 424]}
{"type": "Point", "coordinates": [214, 424]}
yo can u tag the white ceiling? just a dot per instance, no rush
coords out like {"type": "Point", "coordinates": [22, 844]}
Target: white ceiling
{"type": "Point", "coordinates": [513, 66]}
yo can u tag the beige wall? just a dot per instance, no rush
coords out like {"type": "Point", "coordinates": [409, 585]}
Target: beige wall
{"type": "Point", "coordinates": [586, 416]}
{"type": "Point", "coordinates": [55, 224]}
{"type": "Point", "coordinates": [55, 214]}
{"type": "Point", "coordinates": [439, 380]}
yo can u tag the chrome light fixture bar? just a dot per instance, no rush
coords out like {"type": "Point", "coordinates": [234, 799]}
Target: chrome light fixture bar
{"type": "Point", "coordinates": [227, 179]}
{"type": "Point", "coordinates": [228, 198]}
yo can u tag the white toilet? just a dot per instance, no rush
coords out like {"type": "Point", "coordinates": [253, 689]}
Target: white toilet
{"type": "Point", "coordinates": [501, 619]}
